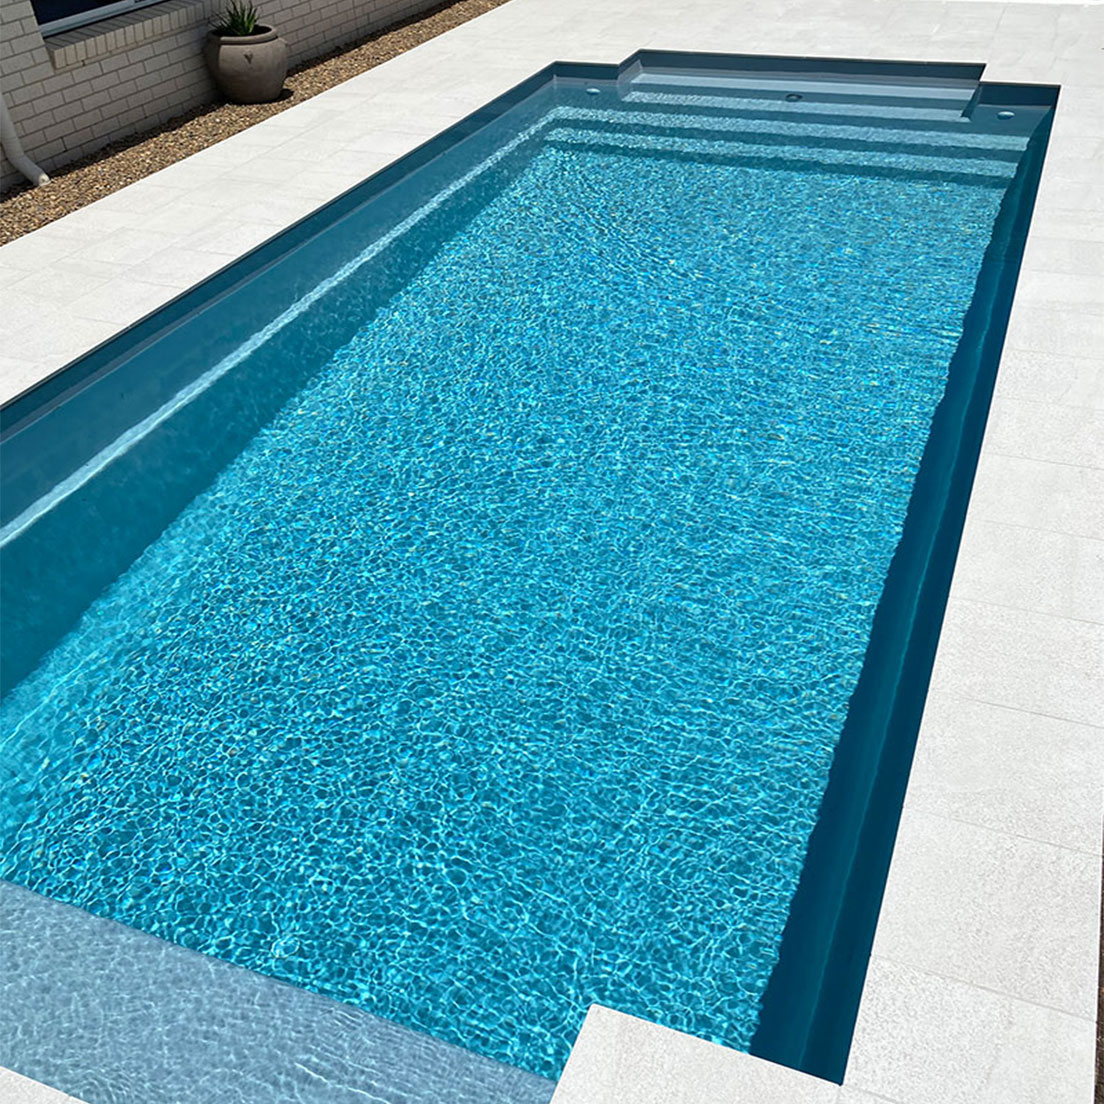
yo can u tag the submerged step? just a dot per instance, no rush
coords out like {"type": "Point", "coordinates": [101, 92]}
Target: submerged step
{"type": "Point", "coordinates": [842, 160]}
{"type": "Point", "coordinates": [126, 1017]}
{"type": "Point", "coordinates": [955, 96]}
{"type": "Point", "coordinates": [688, 98]}
{"type": "Point", "coordinates": [834, 85]}
{"type": "Point", "coordinates": [616, 119]}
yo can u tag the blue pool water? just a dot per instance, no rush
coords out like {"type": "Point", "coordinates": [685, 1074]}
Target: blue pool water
{"type": "Point", "coordinates": [501, 672]}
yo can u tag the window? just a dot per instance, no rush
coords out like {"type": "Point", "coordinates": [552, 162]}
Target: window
{"type": "Point", "coordinates": [62, 15]}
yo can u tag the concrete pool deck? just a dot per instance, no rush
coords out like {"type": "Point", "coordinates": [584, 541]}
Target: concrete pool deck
{"type": "Point", "coordinates": [982, 983]}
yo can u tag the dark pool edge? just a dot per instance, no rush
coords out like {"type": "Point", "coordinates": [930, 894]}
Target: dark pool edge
{"type": "Point", "coordinates": [811, 1002]}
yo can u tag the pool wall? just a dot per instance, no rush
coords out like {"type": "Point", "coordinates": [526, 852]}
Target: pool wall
{"type": "Point", "coordinates": [813, 996]}
{"type": "Point", "coordinates": [206, 373]}
{"type": "Point", "coordinates": [998, 852]}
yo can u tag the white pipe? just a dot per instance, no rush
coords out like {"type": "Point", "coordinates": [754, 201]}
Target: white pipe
{"type": "Point", "coordinates": [14, 149]}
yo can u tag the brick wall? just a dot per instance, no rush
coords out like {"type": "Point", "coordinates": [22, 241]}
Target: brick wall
{"type": "Point", "coordinates": [72, 93]}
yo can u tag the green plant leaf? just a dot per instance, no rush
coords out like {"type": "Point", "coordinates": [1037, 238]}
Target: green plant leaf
{"type": "Point", "coordinates": [238, 19]}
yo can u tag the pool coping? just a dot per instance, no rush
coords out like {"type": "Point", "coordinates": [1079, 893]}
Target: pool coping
{"type": "Point", "coordinates": [982, 983]}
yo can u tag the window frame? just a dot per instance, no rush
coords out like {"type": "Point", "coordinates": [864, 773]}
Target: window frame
{"type": "Point", "coordinates": [92, 15]}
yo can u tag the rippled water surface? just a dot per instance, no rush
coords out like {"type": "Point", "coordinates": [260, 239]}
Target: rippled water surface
{"type": "Point", "coordinates": [502, 672]}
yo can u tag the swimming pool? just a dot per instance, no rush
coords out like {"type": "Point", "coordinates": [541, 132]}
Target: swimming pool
{"type": "Point", "coordinates": [460, 612]}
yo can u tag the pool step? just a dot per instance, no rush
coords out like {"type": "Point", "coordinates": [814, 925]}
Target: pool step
{"type": "Point", "coordinates": [873, 117]}
{"type": "Point", "coordinates": [1000, 146]}
{"type": "Point", "coordinates": [106, 1007]}
{"type": "Point", "coordinates": [968, 169]}
{"type": "Point", "coordinates": [876, 113]}
{"type": "Point", "coordinates": [950, 95]}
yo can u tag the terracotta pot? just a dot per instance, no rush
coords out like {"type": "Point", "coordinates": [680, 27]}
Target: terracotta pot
{"type": "Point", "coordinates": [249, 68]}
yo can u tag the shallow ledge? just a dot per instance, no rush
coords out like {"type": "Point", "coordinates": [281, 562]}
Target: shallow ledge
{"type": "Point", "coordinates": [168, 1024]}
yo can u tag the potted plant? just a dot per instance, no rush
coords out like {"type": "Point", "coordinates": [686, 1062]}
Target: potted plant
{"type": "Point", "coordinates": [248, 59]}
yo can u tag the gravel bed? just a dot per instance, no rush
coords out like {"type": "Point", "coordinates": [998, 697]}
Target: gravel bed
{"type": "Point", "coordinates": [26, 208]}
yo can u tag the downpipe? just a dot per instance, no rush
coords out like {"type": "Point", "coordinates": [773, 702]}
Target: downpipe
{"type": "Point", "coordinates": [13, 149]}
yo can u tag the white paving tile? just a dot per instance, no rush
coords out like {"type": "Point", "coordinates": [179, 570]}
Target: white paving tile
{"type": "Point", "coordinates": [1088, 195]}
{"type": "Point", "coordinates": [849, 1095]}
{"type": "Point", "coordinates": [1028, 661]}
{"type": "Point", "coordinates": [271, 167]}
{"type": "Point", "coordinates": [619, 1059]}
{"type": "Point", "coordinates": [22, 374]}
{"type": "Point", "coordinates": [925, 1039]}
{"type": "Point", "coordinates": [1075, 169]}
{"type": "Point", "coordinates": [178, 269]}
{"type": "Point", "coordinates": [1077, 257]}
{"type": "Point", "coordinates": [232, 236]}
{"type": "Point", "coordinates": [1031, 569]}
{"type": "Point", "coordinates": [999, 911]}
{"type": "Point", "coordinates": [50, 286]}
{"type": "Point", "coordinates": [15, 1089]}
{"type": "Point", "coordinates": [142, 198]}
{"type": "Point", "coordinates": [1055, 432]}
{"type": "Point", "coordinates": [9, 276]}
{"type": "Point", "coordinates": [1018, 773]}
{"type": "Point", "coordinates": [395, 143]}
{"type": "Point", "coordinates": [128, 246]}
{"type": "Point", "coordinates": [1051, 220]}
{"type": "Point", "coordinates": [1044, 377]}
{"type": "Point", "coordinates": [243, 197]}
{"type": "Point", "coordinates": [1086, 122]}
{"type": "Point", "coordinates": [1049, 329]}
{"type": "Point", "coordinates": [53, 340]}
{"type": "Point", "coordinates": [121, 302]}
{"type": "Point", "coordinates": [36, 251]}
{"type": "Point", "coordinates": [96, 219]}
{"type": "Point", "coordinates": [1060, 290]}
{"type": "Point", "coordinates": [1038, 494]}
{"type": "Point", "coordinates": [178, 217]}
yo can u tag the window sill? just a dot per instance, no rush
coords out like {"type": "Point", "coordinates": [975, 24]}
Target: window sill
{"type": "Point", "coordinates": [81, 45]}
